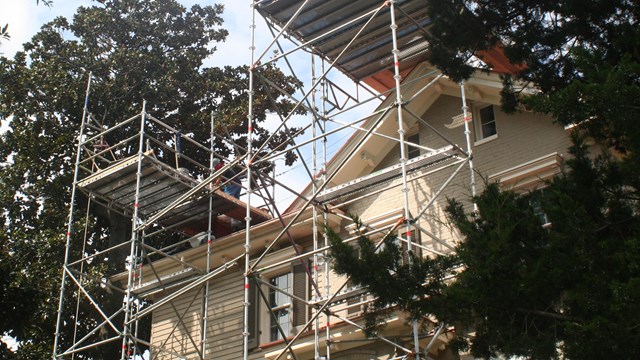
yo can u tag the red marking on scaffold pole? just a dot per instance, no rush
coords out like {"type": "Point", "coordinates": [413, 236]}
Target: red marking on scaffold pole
{"type": "Point", "coordinates": [250, 128]}
{"type": "Point", "coordinates": [397, 63]}
{"type": "Point", "coordinates": [467, 118]}
{"type": "Point", "coordinates": [408, 233]}
{"type": "Point", "coordinates": [68, 233]}
{"type": "Point", "coordinates": [209, 241]}
{"type": "Point", "coordinates": [135, 205]}
{"type": "Point", "coordinates": [315, 267]}
{"type": "Point", "coordinates": [246, 286]}
{"type": "Point", "coordinates": [328, 324]}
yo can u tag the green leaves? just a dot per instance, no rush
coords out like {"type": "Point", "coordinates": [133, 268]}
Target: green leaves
{"type": "Point", "coordinates": [136, 50]}
{"type": "Point", "coordinates": [521, 288]}
{"type": "Point", "coordinates": [397, 278]}
{"type": "Point", "coordinates": [559, 287]}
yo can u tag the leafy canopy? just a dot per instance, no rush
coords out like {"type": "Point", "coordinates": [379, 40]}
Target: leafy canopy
{"type": "Point", "coordinates": [136, 50]}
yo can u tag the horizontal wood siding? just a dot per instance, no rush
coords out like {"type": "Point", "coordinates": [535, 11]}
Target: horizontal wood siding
{"type": "Point", "coordinates": [170, 334]}
{"type": "Point", "coordinates": [225, 316]}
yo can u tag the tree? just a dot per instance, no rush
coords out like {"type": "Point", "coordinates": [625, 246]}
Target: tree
{"type": "Point", "coordinates": [583, 57]}
{"type": "Point", "coordinates": [524, 289]}
{"type": "Point", "coordinates": [573, 286]}
{"type": "Point", "coordinates": [151, 50]}
{"type": "Point", "coordinates": [569, 287]}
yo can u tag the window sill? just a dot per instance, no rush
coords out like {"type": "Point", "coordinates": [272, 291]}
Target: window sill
{"type": "Point", "coordinates": [486, 140]}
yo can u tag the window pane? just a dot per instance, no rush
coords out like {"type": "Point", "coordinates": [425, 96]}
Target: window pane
{"type": "Point", "coordinates": [413, 151]}
{"type": "Point", "coordinates": [488, 129]}
{"type": "Point", "coordinates": [488, 121]}
{"type": "Point", "coordinates": [282, 319]}
{"type": "Point", "coordinates": [277, 299]}
{"type": "Point", "coordinates": [282, 282]}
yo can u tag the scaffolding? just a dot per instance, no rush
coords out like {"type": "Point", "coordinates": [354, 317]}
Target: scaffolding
{"type": "Point", "coordinates": [152, 173]}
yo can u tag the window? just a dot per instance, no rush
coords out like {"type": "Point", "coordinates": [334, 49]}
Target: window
{"type": "Point", "coordinates": [280, 304]}
{"type": "Point", "coordinates": [413, 151]}
{"type": "Point", "coordinates": [535, 199]}
{"type": "Point", "coordinates": [280, 300]}
{"type": "Point", "coordinates": [285, 292]}
{"type": "Point", "coordinates": [486, 127]}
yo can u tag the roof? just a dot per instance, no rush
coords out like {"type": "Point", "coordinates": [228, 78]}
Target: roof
{"type": "Point", "coordinates": [483, 87]}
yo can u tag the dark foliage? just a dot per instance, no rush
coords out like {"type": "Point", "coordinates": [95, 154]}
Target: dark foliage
{"type": "Point", "coordinates": [570, 288]}
{"type": "Point", "coordinates": [136, 50]}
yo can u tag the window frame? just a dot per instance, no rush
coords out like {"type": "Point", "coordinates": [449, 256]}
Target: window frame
{"type": "Point", "coordinates": [279, 264]}
{"type": "Point", "coordinates": [413, 152]}
{"type": "Point", "coordinates": [260, 304]}
{"type": "Point", "coordinates": [276, 308]}
{"type": "Point", "coordinates": [480, 137]}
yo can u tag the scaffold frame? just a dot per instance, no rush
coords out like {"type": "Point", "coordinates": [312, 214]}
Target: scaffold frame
{"type": "Point", "coordinates": [162, 198]}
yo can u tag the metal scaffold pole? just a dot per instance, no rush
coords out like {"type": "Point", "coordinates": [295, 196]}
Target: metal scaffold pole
{"type": "Point", "coordinates": [69, 232]}
{"type": "Point", "coordinates": [403, 150]}
{"type": "Point", "coordinates": [205, 305]}
{"type": "Point", "coordinates": [249, 165]}
{"type": "Point", "coordinates": [127, 339]}
{"type": "Point", "coordinates": [467, 134]}
{"type": "Point", "coordinates": [323, 177]}
{"type": "Point", "coordinates": [314, 171]}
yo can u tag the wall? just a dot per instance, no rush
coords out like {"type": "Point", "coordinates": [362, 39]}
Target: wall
{"type": "Point", "coordinates": [521, 137]}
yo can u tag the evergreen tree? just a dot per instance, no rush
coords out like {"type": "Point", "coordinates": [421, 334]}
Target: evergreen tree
{"type": "Point", "coordinates": [151, 50]}
{"type": "Point", "coordinates": [569, 290]}
{"type": "Point", "coordinates": [524, 289]}
{"type": "Point", "coordinates": [564, 289]}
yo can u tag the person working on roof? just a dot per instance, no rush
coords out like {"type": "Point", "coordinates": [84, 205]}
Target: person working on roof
{"type": "Point", "coordinates": [233, 187]}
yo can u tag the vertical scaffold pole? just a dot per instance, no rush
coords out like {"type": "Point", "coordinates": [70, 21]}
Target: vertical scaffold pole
{"type": "Point", "coordinates": [403, 153]}
{"type": "Point", "coordinates": [247, 244]}
{"type": "Point", "coordinates": [67, 247]}
{"type": "Point", "coordinates": [126, 334]}
{"type": "Point", "coordinates": [205, 305]}
{"type": "Point", "coordinates": [467, 134]}
{"type": "Point", "coordinates": [327, 284]}
{"type": "Point", "coordinates": [314, 172]}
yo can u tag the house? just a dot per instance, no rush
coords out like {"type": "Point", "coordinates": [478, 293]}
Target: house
{"type": "Point", "coordinates": [520, 150]}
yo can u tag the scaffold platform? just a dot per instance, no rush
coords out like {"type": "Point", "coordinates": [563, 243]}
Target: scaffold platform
{"type": "Point", "coordinates": [160, 186]}
{"type": "Point", "coordinates": [388, 174]}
